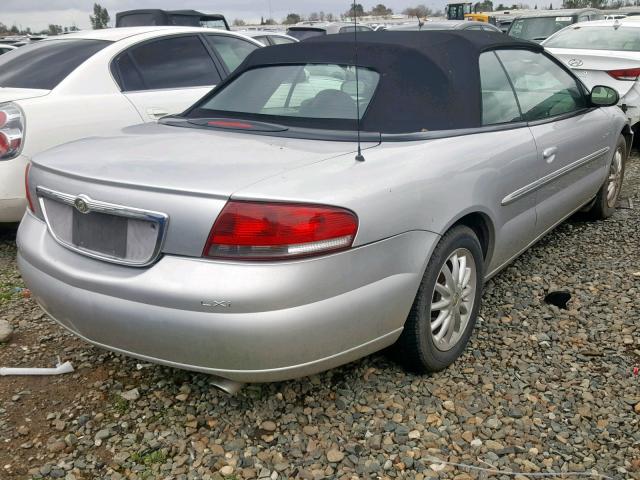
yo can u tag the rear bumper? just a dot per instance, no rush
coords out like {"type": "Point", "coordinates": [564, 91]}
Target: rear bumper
{"type": "Point", "coordinates": [12, 196]}
{"type": "Point", "coordinates": [281, 320]}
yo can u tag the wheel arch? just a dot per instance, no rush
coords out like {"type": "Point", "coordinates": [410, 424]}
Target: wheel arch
{"type": "Point", "coordinates": [627, 133]}
{"type": "Point", "coordinates": [482, 225]}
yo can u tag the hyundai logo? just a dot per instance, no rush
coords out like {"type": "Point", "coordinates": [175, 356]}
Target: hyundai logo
{"type": "Point", "coordinates": [81, 205]}
{"type": "Point", "coordinates": [574, 62]}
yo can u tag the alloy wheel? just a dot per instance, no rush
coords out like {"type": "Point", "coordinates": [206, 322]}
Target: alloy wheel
{"type": "Point", "coordinates": [453, 298]}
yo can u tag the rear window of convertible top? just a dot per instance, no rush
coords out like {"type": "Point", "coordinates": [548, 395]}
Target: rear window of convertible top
{"type": "Point", "coordinates": [284, 93]}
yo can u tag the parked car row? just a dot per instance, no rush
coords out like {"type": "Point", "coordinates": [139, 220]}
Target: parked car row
{"type": "Point", "coordinates": [605, 52]}
{"type": "Point", "coordinates": [309, 210]}
{"type": "Point", "coordinates": [102, 81]}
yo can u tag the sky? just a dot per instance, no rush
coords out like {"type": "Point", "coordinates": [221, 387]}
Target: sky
{"type": "Point", "coordinates": [38, 14]}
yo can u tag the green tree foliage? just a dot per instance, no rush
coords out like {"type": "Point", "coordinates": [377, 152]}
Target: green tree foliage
{"type": "Point", "coordinates": [55, 29]}
{"type": "Point", "coordinates": [484, 6]}
{"type": "Point", "coordinates": [355, 10]}
{"type": "Point", "coordinates": [100, 18]}
{"type": "Point", "coordinates": [292, 18]}
{"type": "Point", "coordinates": [381, 10]}
{"type": "Point", "coordinates": [585, 4]}
{"type": "Point", "coordinates": [418, 11]}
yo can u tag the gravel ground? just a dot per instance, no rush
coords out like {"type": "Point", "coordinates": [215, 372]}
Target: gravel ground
{"type": "Point", "coordinates": [538, 390]}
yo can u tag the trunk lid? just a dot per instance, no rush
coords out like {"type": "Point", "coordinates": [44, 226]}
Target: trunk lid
{"type": "Point", "coordinates": [207, 162]}
{"type": "Point", "coordinates": [13, 94]}
{"type": "Point", "coordinates": [591, 66]}
{"type": "Point", "coordinates": [185, 174]}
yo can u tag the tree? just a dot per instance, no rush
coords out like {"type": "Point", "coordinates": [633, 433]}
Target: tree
{"type": "Point", "coordinates": [314, 17]}
{"type": "Point", "coordinates": [484, 6]}
{"type": "Point", "coordinates": [292, 18]}
{"type": "Point", "coordinates": [356, 10]}
{"type": "Point", "coordinates": [418, 11]}
{"type": "Point", "coordinates": [331, 17]}
{"type": "Point", "coordinates": [100, 18]}
{"type": "Point", "coordinates": [238, 22]}
{"type": "Point", "coordinates": [381, 10]}
{"type": "Point", "coordinates": [575, 3]}
{"type": "Point", "coordinates": [270, 21]}
{"type": "Point", "coordinates": [55, 29]}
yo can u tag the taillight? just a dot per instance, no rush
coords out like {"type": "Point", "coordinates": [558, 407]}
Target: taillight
{"type": "Point", "coordinates": [266, 231]}
{"type": "Point", "coordinates": [625, 74]}
{"type": "Point", "coordinates": [11, 130]}
{"type": "Point", "coordinates": [26, 187]}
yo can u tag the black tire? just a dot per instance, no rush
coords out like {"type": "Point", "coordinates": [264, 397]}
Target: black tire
{"type": "Point", "coordinates": [603, 208]}
{"type": "Point", "coordinates": [416, 348]}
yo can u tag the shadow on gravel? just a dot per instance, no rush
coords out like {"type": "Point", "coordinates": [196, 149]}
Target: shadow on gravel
{"type": "Point", "coordinates": [8, 231]}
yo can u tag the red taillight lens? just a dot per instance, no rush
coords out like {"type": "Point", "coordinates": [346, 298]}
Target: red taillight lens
{"type": "Point", "coordinates": [26, 187]}
{"type": "Point", "coordinates": [11, 131]}
{"type": "Point", "coordinates": [230, 124]}
{"type": "Point", "coordinates": [265, 231]}
{"type": "Point", "coordinates": [5, 144]}
{"type": "Point", "coordinates": [625, 74]}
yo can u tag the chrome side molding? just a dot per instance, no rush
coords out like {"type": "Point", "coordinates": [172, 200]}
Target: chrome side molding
{"type": "Point", "coordinates": [541, 182]}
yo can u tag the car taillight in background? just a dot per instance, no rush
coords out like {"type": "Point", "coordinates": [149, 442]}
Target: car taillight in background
{"type": "Point", "coordinates": [268, 231]}
{"type": "Point", "coordinates": [11, 130]}
{"type": "Point", "coordinates": [26, 188]}
{"type": "Point", "coordinates": [625, 74]}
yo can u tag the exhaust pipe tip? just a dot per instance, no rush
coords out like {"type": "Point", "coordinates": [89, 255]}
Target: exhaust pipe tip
{"type": "Point", "coordinates": [228, 386]}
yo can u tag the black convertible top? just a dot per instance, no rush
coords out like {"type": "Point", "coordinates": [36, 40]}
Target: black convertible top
{"type": "Point", "coordinates": [429, 80]}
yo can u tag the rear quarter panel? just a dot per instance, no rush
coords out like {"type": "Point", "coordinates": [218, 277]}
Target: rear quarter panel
{"type": "Point", "coordinates": [423, 185]}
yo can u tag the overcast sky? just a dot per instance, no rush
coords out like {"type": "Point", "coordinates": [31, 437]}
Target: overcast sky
{"type": "Point", "coordinates": [38, 14]}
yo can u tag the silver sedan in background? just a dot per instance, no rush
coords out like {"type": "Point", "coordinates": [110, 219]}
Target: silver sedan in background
{"type": "Point", "coordinates": [307, 213]}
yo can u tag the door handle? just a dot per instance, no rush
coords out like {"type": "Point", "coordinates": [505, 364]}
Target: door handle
{"type": "Point", "coordinates": [156, 112]}
{"type": "Point", "coordinates": [549, 154]}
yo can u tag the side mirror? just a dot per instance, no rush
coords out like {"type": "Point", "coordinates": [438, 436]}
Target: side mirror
{"type": "Point", "coordinates": [602, 96]}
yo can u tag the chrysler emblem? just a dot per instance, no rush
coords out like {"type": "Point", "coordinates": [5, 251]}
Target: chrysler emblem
{"type": "Point", "coordinates": [81, 205]}
{"type": "Point", "coordinates": [574, 62]}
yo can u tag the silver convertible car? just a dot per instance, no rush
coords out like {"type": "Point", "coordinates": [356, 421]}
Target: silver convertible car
{"type": "Point", "coordinates": [247, 237]}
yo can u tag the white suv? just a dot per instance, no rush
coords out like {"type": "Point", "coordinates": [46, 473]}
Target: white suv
{"type": "Point", "coordinates": [94, 83]}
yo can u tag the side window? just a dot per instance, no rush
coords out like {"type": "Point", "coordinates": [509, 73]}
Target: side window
{"type": "Point", "coordinates": [263, 40]}
{"type": "Point", "coordinates": [130, 78]}
{"type": "Point", "coordinates": [543, 88]}
{"type": "Point", "coordinates": [281, 40]}
{"type": "Point", "coordinates": [168, 63]}
{"type": "Point", "coordinates": [232, 50]}
{"type": "Point", "coordinates": [499, 103]}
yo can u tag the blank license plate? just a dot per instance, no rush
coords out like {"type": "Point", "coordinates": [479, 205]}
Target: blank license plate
{"type": "Point", "coordinates": [101, 233]}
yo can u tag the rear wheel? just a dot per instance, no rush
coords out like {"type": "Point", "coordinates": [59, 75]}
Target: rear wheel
{"type": "Point", "coordinates": [607, 197]}
{"type": "Point", "coordinates": [446, 306]}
